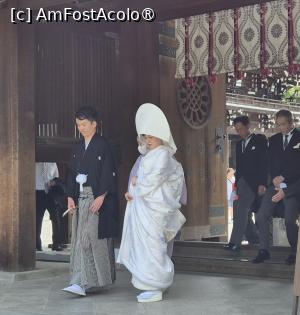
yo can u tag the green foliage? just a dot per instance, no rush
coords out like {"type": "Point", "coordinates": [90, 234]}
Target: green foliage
{"type": "Point", "coordinates": [292, 95]}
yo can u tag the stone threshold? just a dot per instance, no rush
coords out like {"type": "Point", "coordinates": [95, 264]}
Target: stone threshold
{"type": "Point", "coordinates": [43, 270]}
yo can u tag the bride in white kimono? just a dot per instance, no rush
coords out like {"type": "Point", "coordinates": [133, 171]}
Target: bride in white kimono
{"type": "Point", "coordinates": [152, 217]}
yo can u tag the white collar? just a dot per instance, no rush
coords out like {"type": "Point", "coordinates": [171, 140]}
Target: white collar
{"type": "Point", "coordinates": [248, 137]}
{"type": "Point", "coordinates": [288, 135]}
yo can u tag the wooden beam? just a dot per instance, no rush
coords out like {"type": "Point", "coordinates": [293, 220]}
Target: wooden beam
{"type": "Point", "coordinates": [171, 9]}
{"type": "Point", "coordinates": [36, 4]}
{"type": "Point", "coordinates": [96, 4]}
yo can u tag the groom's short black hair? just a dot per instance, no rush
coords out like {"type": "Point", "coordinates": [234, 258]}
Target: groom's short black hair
{"type": "Point", "coordinates": [87, 112]}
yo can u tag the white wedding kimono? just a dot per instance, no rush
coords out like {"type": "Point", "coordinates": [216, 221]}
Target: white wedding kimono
{"type": "Point", "coordinates": [152, 219]}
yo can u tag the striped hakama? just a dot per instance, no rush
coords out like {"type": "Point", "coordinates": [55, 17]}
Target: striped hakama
{"type": "Point", "coordinates": [92, 263]}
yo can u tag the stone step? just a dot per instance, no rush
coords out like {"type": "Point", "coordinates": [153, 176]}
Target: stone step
{"type": "Point", "coordinates": [233, 267]}
{"type": "Point", "coordinates": [63, 256]}
{"type": "Point", "coordinates": [216, 250]}
{"type": "Point", "coordinates": [211, 257]}
{"type": "Point", "coordinates": [49, 255]}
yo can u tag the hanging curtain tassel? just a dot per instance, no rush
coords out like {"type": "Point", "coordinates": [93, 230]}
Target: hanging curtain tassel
{"type": "Point", "coordinates": [188, 66]}
{"type": "Point", "coordinates": [263, 70]}
{"type": "Point", "coordinates": [292, 66]}
{"type": "Point", "coordinates": [211, 61]}
{"type": "Point", "coordinates": [238, 73]}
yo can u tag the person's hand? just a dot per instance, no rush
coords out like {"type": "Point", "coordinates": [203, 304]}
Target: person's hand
{"type": "Point", "coordinates": [278, 196]}
{"type": "Point", "coordinates": [51, 183]}
{"type": "Point", "coordinates": [71, 205]}
{"type": "Point", "coordinates": [133, 180]}
{"type": "Point", "coordinates": [261, 190]}
{"type": "Point", "coordinates": [128, 197]}
{"type": "Point", "coordinates": [278, 180]}
{"type": "Point", "coordinates": [97, 204]}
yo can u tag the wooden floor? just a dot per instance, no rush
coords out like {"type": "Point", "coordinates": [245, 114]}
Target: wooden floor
{"type": "Point", "coordinates": [213, 258]}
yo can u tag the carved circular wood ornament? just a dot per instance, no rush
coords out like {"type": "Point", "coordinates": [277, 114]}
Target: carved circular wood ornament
{"type": "Point", "coordinates": [194, 102]}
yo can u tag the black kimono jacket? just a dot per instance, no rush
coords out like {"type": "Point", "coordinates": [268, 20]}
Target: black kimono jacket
{"type": "Point", "coordinates": [97, 162]}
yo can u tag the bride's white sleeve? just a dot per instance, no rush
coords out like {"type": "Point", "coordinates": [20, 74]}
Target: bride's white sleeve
{"type": "Point", "coordinates": [155, 175]}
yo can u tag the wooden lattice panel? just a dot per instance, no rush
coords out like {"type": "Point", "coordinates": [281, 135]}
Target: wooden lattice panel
{"type": "Point", "coordinates": [194, 102]}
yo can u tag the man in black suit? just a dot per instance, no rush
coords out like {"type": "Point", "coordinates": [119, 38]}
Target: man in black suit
{"type": "Point", "coordinates": [251, 178]}
{"type": "Point", "coordinates": [284, 161]}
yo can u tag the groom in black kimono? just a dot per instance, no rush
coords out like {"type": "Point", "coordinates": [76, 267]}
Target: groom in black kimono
{"type": "Point", "coordinates": [92, 198]}
{"type": "Point", "coordinates": [94, 158]}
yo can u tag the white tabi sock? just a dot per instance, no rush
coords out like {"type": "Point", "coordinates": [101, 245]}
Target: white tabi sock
{"type": "Point", "coordinates": [149, 296]}
{"type": "Point", "coordinates": [75, 289]}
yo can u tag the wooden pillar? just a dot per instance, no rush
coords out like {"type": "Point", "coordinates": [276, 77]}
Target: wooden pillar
{"type": "Point", "coordinates": [148, 84]}
{"type": "Point", "coordinates": [217, 162]}
{"type": "Point", "coordinates": [139, 83]}
{"type": "Point", "coordinates": [205, 169]}
{"type": "Point", "coordinates": [17, 144]}
{"type": "Point", "coordinates": [206, 172]}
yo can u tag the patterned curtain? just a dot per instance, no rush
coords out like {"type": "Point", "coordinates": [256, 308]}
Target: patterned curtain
{"type": "Point", "coordinates": [296, 29]}
{"type": "Point", "coordinates": [258, 37]}
{"type": "Point", "coordinates": [196, 59]}
{"type": "Point", "coordinates": [276, 39]}
{"type": "Point", "coordinates": [180, 51]}
{"type": "Point", "coordinates": [248, 33]}
{"type": "Point", "coordinates": [199, 43]}
{"type": "Point", "coordinates": [223, 42]}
